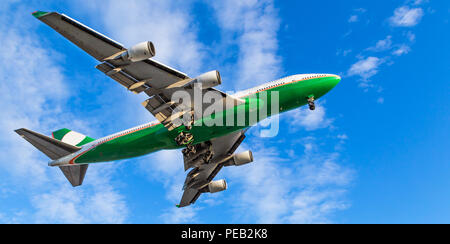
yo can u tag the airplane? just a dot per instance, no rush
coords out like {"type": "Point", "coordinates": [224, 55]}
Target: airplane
{"type": "Point", "coordinates": [206, 149]}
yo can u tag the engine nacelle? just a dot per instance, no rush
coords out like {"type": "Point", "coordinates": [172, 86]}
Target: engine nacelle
{"type": "Point", "coordinates": [139, 52]}
{"type": "Point", "coordinates": [208, 79]}
{"type": "Point", "coordinates": [217, 185]}
{"type": "Point", "coordinates": [240, 159]}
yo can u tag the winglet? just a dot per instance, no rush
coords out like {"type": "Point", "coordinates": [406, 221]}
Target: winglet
{"type": "Point", "coordinates": [38, 14]}
{"type": "Point", "coordinates": [178, 205]}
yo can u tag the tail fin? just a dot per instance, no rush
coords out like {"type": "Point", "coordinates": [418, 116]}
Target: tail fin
{"type": "Point", "coordinates": [55, 149]}
{"type": "Point", "coordinates": [71, 137]}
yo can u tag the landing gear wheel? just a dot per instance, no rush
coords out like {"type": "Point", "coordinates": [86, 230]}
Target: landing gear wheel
{"type": "Point", "coordinates": [311, 104]}
{"type": "Point", "coordinates": [184, 138]}
{"type": "Point", "coordinates": [189, 151]}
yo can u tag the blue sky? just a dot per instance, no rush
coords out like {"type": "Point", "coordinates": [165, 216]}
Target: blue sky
{"type": "Point", "coordinates": [374, 151]}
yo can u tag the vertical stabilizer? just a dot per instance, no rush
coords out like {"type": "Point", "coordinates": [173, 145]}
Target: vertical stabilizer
{"type": "Point", "coordinates": [71, 137]}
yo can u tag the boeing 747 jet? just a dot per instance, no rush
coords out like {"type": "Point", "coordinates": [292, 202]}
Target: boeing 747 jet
{"type": "Point", "coordinates": [207, 136]}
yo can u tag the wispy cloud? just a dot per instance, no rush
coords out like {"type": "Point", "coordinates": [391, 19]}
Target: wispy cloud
{"type": "Point", "coordinates": [405, 16]}
{"type": "Point", "coordinates": [365, 68]}
{"type": "Point", "coordinates": [255, 25]}
{"type": "Point", "coordinates": [353, 18]}
{"type": "Point", "coordinates": [281, 190]}
{"type": "Point", "coordinates": [382, 45]}
{"type": "Point", "coordinates": [307, 119]}
{"type": "Point", "coordinates": [95, 202]}
{"type": "Point", "coordinates": [401, 50]}
{"type": "Point", "coordinates": [34, 95]}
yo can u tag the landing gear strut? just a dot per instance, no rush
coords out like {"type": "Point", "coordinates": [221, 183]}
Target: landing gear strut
{"type": "Point", "coordinates": [208, 156]}
{"type": "Point", "coordinates": [311, 104]}
{"type": "Point", "coordinates": [191, 122]}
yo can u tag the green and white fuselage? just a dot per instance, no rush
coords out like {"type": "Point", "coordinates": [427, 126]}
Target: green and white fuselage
{"type": "Point", "coordinates": [293, 92]}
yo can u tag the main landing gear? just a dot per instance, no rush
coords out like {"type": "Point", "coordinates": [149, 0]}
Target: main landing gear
{"type": "Point", "coordinates": [311, 104]}
{"type": "Point", "coordinates": [191, 122]}
{"type": "Point", "coordinates": [184, 138]}
{"type": "Point", "coordinates": [189, 151]}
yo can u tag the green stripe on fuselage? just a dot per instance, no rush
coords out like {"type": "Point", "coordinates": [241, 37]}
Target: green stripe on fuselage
{"type": "Point", "coordinates": [157, 137]}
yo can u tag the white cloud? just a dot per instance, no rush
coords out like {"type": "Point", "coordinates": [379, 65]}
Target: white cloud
{"type": "Point", "coordinates": [406, 17]}
{"type": "Point", "coordinates": [342, 136]}
{"type": "Point", "coordinates": [411, 36]}
{"type": "Point", "coordinates": [365, 68]}
{"type": "Point", "coordinates": [179, 215]}
{"type": "Point", "coordinates": [360, 10]}
{"type": "Point", "coordinates": [403, 49]}
{"type": "Point", "coordinates": [419, 2]}
{"type": "Point", "coordinates": [94, 202]}
{"type": "Point", "coordinates": [255, 23]}
{"type": "Point", "coordinates": [307, 190]}
{"type": "Point", "coordinates": [353, 18]}
{"type": "Point", "coordinates": [309, 119]}
{"type": "Point", "coordinates": [344, 53]}
{"type": "Point", "coordinates": [382, 45]}
{"type": "Point", "coordinates": [34, 95]}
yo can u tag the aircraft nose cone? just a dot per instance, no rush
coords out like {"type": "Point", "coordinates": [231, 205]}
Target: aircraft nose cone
{"type": "Point", "coordinates": [333, 82]}
{"type": "Point", "coordinates": [325, 85]}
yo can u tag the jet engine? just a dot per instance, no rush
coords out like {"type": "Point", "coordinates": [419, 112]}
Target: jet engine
{"type": "Point", "coordinates": [217, 185]}
{"type": "Point", "coordinates": [207, 80]}
{"type": "Point", "coordinates": [240, 159]}
{"type": "Point", "coordinates": [139, 52]}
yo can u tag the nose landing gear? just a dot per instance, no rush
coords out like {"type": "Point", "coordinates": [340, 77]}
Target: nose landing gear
{"type": "Point", "coordinates": [311, 104]}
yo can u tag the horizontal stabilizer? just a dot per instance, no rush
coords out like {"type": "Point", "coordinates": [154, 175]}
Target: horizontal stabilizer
{"type": "Point", "coordinates": [53, 148]}
{"type": "Point", "coordinates": [75, 174]}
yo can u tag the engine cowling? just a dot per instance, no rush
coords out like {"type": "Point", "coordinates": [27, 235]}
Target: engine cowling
{"type": "Point", "coordinates": [240, 158]}
{"type": "Point", "coordinates": [208, 79]}
{"type": "Point", "coordinates": [217, 186]}
{"type": "Point", "coordinates": [139, 52]}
